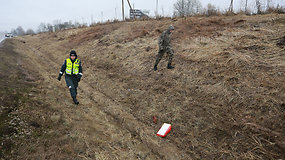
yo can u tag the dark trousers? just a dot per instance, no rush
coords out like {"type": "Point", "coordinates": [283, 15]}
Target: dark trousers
{"type": "Point", "coordinates": [72, 84]}
{"type": "Point", "coordinates": [161, 52]}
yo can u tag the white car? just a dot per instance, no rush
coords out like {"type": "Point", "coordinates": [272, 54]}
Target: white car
{"type": "Point", "coordinates": [9, 35]}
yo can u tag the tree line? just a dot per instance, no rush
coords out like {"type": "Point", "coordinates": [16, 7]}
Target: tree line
{"type": "Point", "coordinates": [19, 31]}
{"type": "Point", "coordinates": [47, 27]}
{"type": "Point", "coordinates": [181, 8]}
{"type": "Point", "coordinates": [194, 7]}
{"type": "Point", "coordinates": [58, 25]}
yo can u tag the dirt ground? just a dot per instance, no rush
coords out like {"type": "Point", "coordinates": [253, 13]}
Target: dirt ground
{"type": "Point", "coordinates": [225, 98]}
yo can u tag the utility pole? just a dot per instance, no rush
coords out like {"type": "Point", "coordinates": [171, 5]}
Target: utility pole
{"type": "Point", "coordinates": [245, 9]}
{"type": "Point", "coordinates": [156, 12]}
{"type": "Point", "coordinates": [183, 5]}
{"type": "Point", "coordinates": [231, 8]}
{"type": "Point", "coordinates": [268, 4]}
{"type": "Point", "coordinates": [123, 11]}
{"type": "Point", "coordinates": [116, 13]}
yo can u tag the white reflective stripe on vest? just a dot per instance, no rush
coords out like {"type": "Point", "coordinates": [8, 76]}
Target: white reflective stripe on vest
{"type": "Point", "coordinates": [72, 68]}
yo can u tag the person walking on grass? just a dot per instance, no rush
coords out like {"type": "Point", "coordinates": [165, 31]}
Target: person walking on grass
{"type": "Point", "coordinates": [165, 46]}
{"type": "Point", "coordinates": [73, 74]}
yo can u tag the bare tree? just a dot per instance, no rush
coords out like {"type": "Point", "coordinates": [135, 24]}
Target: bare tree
{"type": "Point", "coordinates": [211, 10]}
{"type": "Point", "coordinates": [49, 28]}
{"type": "Point", "coordinates": [245, 8]}
{"type": "Point", "coordinates": [258, 6]}
{"type": "Point", "coordinates": [14, 32]}
{"type": "Point", "coordinates": [179, 8]}
{"type": "Point", "coordinates": [195, 7]}
{"type": "Point", "coordinates": [187, 7]}
{"type": "Point", "coordinates": [268, 5]}
{"type": "Point", "coordinates": [19, 31]}
{"type": "Point", "coordinates": [42, 28]}
{"type": "Point", "coordinates": [231, 8]}
{"type": "Point", "coordinates": [30, 32]}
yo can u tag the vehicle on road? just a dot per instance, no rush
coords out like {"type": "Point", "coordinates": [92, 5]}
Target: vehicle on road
{"type": "Point", "coordinates": [9, 35]}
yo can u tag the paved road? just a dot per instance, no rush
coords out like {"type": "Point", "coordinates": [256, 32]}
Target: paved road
{"type": "Point", "coordinates": [2, 36]}
{"type": "Point", "coordinates": [1, 39]}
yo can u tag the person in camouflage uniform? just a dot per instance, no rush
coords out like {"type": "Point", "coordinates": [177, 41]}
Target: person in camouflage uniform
{"type": "Point", "coordinates": [165, 46]}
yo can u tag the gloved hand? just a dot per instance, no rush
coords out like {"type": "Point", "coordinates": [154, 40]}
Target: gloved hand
{"type": "Point", "coordinates": [59, 77]}
{"type": "Point", "coordinates": [79, 77]}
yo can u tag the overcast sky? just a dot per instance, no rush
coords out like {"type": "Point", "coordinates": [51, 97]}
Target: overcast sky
{"type": "Point", "coordinates": [30, 13]}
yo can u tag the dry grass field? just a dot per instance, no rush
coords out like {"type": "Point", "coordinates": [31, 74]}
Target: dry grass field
{"type": "Point", "coordinates": [225, 98]}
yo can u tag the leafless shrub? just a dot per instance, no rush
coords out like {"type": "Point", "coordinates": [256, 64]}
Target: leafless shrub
{"type": "Point", "coordinates": [187, 7]}
{"type": "Point", "coordinates": [278, 9]}
{"type": "Point", "coordinates": [30, 32]}
{"type": "Point", "coordinates": [212, 10]}
{"type": "Point", "coordinates": [258, 6]}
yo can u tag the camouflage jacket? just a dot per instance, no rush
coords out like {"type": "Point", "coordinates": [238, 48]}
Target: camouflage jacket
{"type": "Point", "coordinates": [165, 40]}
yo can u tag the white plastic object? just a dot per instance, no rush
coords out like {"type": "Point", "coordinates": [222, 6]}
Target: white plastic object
{"type": "Point", "coordinates": [164, 130]}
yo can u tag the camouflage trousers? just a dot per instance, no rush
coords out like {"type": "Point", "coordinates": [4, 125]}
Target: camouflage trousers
{"type": "Point", "coordinates": [161, 52]}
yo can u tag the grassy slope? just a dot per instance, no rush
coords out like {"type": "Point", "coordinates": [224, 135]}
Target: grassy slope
{"type": "Point", "coordinates": [225, 98]}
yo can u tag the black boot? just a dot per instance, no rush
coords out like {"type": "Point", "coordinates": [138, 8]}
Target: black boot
{"type": "Point", "coordinates": [169, 66]}
{"type": "Point", "coordinates": [75, 100]}
{"type": "Point", "coordinates": [155, 67]}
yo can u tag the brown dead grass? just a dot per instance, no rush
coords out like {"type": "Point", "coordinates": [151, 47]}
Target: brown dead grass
{"type": "Point", "coordinates": [225, 97]}
{"type": "Point", "coordinates": [92, 33]}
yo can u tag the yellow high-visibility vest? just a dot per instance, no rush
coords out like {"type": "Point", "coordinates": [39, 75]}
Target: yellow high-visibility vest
{"type": "Point", "coordinates": [72, 68]}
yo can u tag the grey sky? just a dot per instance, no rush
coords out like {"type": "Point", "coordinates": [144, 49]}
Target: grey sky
{"type": "Point", "coordinates": [30, 13]}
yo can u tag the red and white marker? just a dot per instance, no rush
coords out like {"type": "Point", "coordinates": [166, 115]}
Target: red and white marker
{"type": "Point", "coordinates": [164, 130]}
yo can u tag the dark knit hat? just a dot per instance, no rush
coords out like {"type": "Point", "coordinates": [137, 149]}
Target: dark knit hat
{"type": "Point", "coordinates": [73, 53]}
